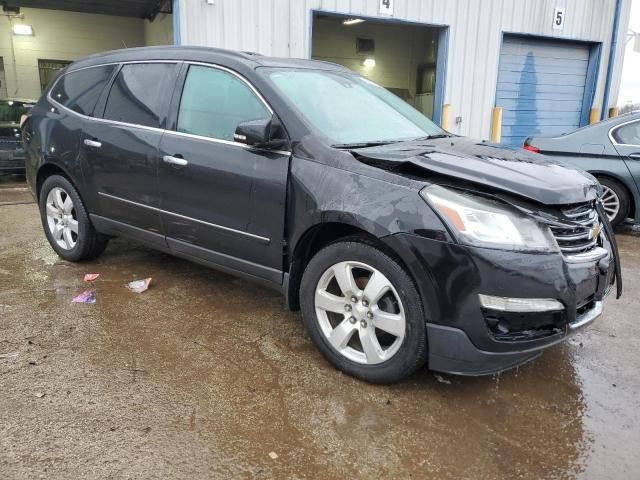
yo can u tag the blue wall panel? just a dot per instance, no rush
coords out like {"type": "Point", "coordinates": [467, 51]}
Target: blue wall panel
{"type": "Point", "coordinates": [541, 87]}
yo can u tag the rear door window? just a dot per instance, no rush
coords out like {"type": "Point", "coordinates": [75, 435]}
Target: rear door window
{"type": "Point", "coordinates": [81, 89]}
{"type": "Point", "coordinates": [214, 102]}
{"type": "Point", "coordinates": [628, 134]}
{"type": "Point", "coordinates": [140, 94]}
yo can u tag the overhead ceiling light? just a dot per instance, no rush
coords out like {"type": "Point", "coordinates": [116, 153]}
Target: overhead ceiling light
{"type": "Point", "coordinates": [369, 62]}
{"type": "Point", "coordinates": [22, 29]}
{"type": "Point", "coordinates": [352, 21]}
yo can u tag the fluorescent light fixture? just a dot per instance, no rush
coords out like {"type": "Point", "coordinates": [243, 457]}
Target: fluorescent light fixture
{"type": "Point", "coordinates": [22, 29]}
{"type": "Point", "coordinates": [369, 62]}
{"type": "Point", "coordinates": [352, 21]}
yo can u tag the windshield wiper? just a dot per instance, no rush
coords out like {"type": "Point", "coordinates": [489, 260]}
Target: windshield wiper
{"type": "Point", "coordinates": [433, 137]}
{"type": "Point", "coordinates": [388, 142]}
{"type": "Point", "coordinates": [363, 144]}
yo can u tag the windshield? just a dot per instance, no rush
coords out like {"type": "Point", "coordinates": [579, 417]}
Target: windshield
{"type": "Point", "coordinates": [12, 110]}
{"type": "Point", "coordinates": [349, 109]}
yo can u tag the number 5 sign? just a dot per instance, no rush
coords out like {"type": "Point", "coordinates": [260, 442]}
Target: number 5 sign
{"type": "Point", "coordinates": [385, 7]}
{"type": "Point", "coordinates": [558, 18]}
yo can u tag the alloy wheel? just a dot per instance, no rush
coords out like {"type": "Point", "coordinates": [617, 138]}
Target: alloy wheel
{"type": "Point", "coordinates": [61, 218]}
{"type": "Point", "coordinates": [360, 312]}
{"type": "Point", "coordinates": [610, 202]}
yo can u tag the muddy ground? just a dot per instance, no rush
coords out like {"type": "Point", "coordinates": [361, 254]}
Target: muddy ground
{"type": "Point", "coordinates": [205, 376]}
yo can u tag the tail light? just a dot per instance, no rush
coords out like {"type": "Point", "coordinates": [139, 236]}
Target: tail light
{"type": "Point", "coordinates": [531, 148]}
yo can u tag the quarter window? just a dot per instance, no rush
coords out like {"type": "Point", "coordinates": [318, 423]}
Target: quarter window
{"type": "Point", "coordinates": [214, 102]}
{"type": "Point", "coordinates": [140, 94]}
{"type": "Point", "coordinates": [81, 89]}
{"type": "Point", "coordinates": [628, 134]}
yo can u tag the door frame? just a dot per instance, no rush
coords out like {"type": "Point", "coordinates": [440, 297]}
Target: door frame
{"type": "Point", "coordinates": [593, 66]}
{"type": "Point", "coordinates": [441, 56]}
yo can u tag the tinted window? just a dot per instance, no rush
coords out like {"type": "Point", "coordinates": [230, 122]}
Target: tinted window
{"type": "Point", "coordinates": [628, 134]}
{"type": "Point", "coordinates": [214, 102]}
{"type": "Point", "coordinates": [140, 94]}
{"type": "Point", "coordinates": [80, 90]}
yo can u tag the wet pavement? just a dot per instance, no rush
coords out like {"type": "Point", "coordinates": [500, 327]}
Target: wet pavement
{"type": "Point", "coordinates": [206, 376]}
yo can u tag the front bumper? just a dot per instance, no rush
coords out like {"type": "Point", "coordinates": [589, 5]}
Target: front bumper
{"type": "Point", "coordinates": [465, 338]}
{"type": "Point", "coordinates": [451, 351]}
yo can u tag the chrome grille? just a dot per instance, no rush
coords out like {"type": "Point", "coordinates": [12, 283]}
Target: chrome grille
{"type": "Point", "coordinates": [578, 230]}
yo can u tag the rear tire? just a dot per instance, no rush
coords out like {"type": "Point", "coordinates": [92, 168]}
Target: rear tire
{"type": "Point", "coordinates": [66, 222]}
{"type": "Point", "coordinates": [615, 199]}
{"type": "Point", "coordinates": [372, 330]}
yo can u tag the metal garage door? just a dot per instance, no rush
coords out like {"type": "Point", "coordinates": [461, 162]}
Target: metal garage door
{"type": "Point", "coordinates": [541, 87]}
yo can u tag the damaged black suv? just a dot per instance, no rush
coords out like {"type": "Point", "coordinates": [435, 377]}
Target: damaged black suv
{"type": "Point", "coordinates": [401, 243]}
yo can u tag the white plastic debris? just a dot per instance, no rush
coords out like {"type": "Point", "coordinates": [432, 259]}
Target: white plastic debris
{"type": "Point", "coordinates": [139, 286]}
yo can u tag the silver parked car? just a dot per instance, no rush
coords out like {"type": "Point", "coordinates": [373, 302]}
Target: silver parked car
{"type": "Point", "coordinates": [609, 150]}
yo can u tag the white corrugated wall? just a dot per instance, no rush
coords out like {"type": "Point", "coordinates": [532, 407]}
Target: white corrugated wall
{"type": "Point", "coordinates": [283, 28]}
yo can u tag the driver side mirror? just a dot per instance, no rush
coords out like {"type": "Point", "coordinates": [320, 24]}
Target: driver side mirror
{"type": "Point", "coordinates": [266, 133]}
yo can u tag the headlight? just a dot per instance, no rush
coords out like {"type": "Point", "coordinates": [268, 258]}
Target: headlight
{"type": "Point", "coordinates": [484, 222]}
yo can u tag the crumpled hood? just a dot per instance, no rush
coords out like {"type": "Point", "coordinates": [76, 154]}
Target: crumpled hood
{"type": "Point", "coordinates": [515, 171]}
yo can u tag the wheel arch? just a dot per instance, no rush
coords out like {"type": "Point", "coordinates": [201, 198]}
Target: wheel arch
{"type": "Point", "coordinates": [633, 199]}
{"type": "Point", "coordinates": [319, 236]}
{"type": "Point", "coordinates": [48, 169]}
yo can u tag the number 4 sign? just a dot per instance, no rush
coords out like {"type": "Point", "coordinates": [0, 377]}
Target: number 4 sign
{"type": "Point", "coordinates": [558, 18]}
{"type": "Point", "coordinates": [385, 7]}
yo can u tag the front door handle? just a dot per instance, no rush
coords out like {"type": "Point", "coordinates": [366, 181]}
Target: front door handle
{"type": "Point", "coordinates": [635, 156]}
{"type": "Point", "coordinates": [92, 143]}
{"type": "Point", "coordinates": [180, 162]}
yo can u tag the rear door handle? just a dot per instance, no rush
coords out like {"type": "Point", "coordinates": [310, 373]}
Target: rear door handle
{"type": "Point", "coordinates": [92, 143]}
{"type": "Point", "coordinates": [181, 162]}
{"type": "Point", "coordinates": [635, 156]}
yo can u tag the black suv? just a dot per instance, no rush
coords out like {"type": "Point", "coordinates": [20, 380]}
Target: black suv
{"type": "Point", "coordinates": [401, 243]}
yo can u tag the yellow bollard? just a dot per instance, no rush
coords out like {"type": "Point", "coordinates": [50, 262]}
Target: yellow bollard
{"type": "Point", "coordinates": [613, 112]}
{"type": "Point", "coordinates": [496, 125]}
{"type": "Point", "coordinates": [445, 121]}
{"type": "Point", "coordinates": [594, 116]}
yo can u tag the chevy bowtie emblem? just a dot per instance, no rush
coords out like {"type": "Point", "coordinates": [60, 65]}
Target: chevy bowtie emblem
{"type": "Point", "coordinates": [595, 231]}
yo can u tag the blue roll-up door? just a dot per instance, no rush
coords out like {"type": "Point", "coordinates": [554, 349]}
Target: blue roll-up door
{"type": "Point", "coordinates": [541, 87]}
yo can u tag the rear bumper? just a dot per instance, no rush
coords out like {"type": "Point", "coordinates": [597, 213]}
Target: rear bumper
{"type": "Point", "coordinates": [465, 337]}
{"type": "Point", "coordinates": [12, 161]}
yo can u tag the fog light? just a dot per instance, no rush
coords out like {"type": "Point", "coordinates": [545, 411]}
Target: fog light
{"type": "Point", "coordinates": [524, 305]}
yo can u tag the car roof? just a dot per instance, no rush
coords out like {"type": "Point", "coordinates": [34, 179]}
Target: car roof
{"type": "Point", "coordinates": [201, 54]}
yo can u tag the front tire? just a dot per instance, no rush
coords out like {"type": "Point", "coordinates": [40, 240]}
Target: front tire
{"type": "Point", "coordinates": [615, 200]}
{"type": "Point", "coordinates": [363, 312]}
{"type": "Point", "coordinates": [66, 222]}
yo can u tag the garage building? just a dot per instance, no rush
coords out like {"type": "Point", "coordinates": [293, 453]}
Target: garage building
{"type": "Point", "coordinates": [39, 37]}
{"type": "Point", "coordinates": [545, 63]}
